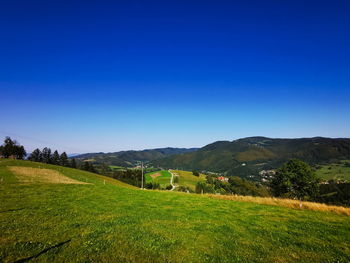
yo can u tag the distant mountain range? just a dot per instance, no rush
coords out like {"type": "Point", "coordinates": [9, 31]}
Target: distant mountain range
{"type": "Point", "coordinates": [243, 157]}
{"type": "Point", "coordinates": [248, 156]}
{"type": "Point", "coordinates": [130, 158]}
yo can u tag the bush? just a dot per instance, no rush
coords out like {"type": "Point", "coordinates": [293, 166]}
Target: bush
{"type": "Point", "coordinates": [184, 189]}
{"type": "Point", "coordinates": [195, 173]}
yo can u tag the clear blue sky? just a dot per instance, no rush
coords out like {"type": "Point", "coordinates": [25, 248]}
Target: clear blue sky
{"type": "Point", "coordinates": [85, 76]}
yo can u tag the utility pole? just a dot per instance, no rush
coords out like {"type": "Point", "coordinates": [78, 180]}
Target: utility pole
{"type": "Point", "coordinates": [141, 175]}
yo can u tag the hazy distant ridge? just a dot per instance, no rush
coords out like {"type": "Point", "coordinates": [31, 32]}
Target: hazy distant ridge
{"type": "Point", "coordinates": [129, 158]}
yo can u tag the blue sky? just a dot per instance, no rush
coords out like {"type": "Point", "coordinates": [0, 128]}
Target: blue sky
{"type": "Point", "coordinates": [86, 76]}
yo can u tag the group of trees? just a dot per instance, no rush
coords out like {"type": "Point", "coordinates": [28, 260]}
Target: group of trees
{"type": "Point", "coordinates": [235, 185]}
{"type": "Point", "coordinates": [129, 176]}
{"type": "Point", "coordinates": [46, 156]}
{"type": "Point", "coordinates": [294, 179]}
{"type": "Point", "coordinates": [12, 149]}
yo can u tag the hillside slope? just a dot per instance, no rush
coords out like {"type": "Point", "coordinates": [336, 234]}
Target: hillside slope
{"type": "Point", "coordinates": [103, 220]}
{"type": "Point", "coordinates": [246, 157]}
{"type": "Point", "coordinates": [130, 158]}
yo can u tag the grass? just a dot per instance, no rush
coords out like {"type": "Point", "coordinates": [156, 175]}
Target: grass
{"type": "Point", "coordinates": [108, 221]}
{"type": "Point", "coordinates": [286, 203]}
{"type": "Point", "coordinates": [335, 171]}
{"type": "Point", "coordinates": [115, 167]}
{"type": "Point", "coordinates": [188, 179]}
{"type": "Point", "coordinates": [162, 177]}
{"type": "Point", "coordinates": [40, 175]}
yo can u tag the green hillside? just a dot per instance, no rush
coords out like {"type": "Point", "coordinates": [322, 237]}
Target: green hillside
{"type": "Point", "coordinates": [247, 157]}
{"type": "Point", "coordinates": [187, 179]}
{"type": "Point", "coordinates": [335, 171]}
{"type": "Point", "coordinates": [131, 158]}
{"type": "Point", "coordinates": [55, 214]}
{"type": "Point", "coordinates": [161, 177]}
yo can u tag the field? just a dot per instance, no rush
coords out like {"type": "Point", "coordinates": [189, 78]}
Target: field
{"type": "Point", "coordinates": [161, 177]}
{"type": "Point", "coordinates": [115, 167]}
{"type": "Point", "coordinates": [105, 220]}
{"type": "Point", "coordinates": [336, 171]}
{"type": "Point", "coordinates": [187, 179]}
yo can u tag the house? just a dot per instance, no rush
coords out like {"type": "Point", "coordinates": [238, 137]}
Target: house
{"type": "Point", "coordinates": [223, 179]}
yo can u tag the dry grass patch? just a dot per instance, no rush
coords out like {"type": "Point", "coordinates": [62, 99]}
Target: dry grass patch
{"type": "Point", "coordinates": [155, 175]}
{"type": "Point", "coordinates": [38, 175]}
{"type": "Point", "coordinates": [286, 203]}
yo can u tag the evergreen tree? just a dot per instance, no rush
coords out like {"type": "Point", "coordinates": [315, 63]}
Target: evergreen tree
{"type": "Point", "coordinates": [73, 163]}
{"type": "Point", "coordinates": [36, 156]}
{"type": "Point", "coordinates": [64, 159]}
{"type": "Point", "coordinates": [55, 158]}
{"type": "Point", "coordinates": [85, 166]}
{"type": "Point", "coordinates": [19, 152]}
{"type": "Point", "coordinates": [46, 155]}
{"type": "Point", "coordinates": [88, 166]}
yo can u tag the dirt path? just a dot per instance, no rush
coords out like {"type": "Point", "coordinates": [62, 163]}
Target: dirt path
{"type": "Point", "coordinates": [171, 181]}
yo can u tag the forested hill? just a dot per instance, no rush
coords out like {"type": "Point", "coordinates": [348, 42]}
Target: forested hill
{"type": "Point", "coordinates": [130, 158]}
{"type": "Point", "coordinates": [248, 156]}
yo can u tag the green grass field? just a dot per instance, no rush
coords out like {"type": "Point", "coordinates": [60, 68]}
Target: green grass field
{"type": "Point", "coordinates": [115, 167]}
{"type": "Point", "coordinates": [163, 179]}
{"type": "Point", "coordinates": [188, 179]}
{"type": "Point", "coordinates": [335, 171]}
{"type": "Point", "coordinates": [108, 221]}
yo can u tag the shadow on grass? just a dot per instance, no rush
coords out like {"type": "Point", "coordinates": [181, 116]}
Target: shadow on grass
{"type": "Point", "coordinates": [11, 210]}
{"type": "Point", "coordinates": [42, 252]}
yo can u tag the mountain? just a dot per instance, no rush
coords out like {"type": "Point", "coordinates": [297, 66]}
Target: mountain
{"type": "Point", "coordinates": [248, 156]}
{"type": "Point", "coordinates": [130, 158]}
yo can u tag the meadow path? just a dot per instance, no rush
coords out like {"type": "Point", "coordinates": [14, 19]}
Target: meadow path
{"type": "Point", "coordinates": [171, 181]}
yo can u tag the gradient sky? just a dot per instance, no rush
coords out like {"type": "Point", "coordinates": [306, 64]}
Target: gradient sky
{"type": "Point", "coordinates": [86, 76]}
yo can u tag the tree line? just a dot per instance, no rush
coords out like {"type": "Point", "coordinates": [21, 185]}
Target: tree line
{"type": "Point", "coordinates": [295, 179]}
{"type": "Point", "coordinates": [235, 185]}
{"type": "Point", "coordinates": [46, 156]}
{"type": "Point", "coordinates": [12, 149]}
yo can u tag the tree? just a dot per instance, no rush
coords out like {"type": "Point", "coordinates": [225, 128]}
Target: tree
{"type": "Point", "coordinates": [64, 159]}
{"type": "Point", "coordinates": [46, 154]}
{"type": "Point", "coordinates": [12, 148]}
{"type": "Point", "coordinates": [55, 158]}
{"type": "Point", "coordinates": [86, 166]}
{"type": "Point", "coordinates": [36, 156]}
{"type": "Point", "coordinates": [295, 179]}
{"type": "Point", "coordinates": [195, 173]}
{"type": "Point", "coordinates": [201, 187]}
{"type": "Point", "coordinates": [73, 163]}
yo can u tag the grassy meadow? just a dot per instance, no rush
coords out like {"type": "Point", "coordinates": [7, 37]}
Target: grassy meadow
{"type": "Point", "coordinates": [187, 179]}
{"type": "Point", "coordinates": [162, 177]}
{"type": "Point", "coordinates": [104, 220]}
{"type": "Point", "coordinates": [116, 167]}
{"type": "Point", "coordinates": [336, 171]}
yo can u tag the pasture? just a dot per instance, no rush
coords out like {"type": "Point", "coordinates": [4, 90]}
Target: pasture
{"type": "Point", "coordinates": [336, 171]}
{"type": "Point", "coordinates": [162, 177]}
{"type": "Point", "coordinates": [187, 179]}
{"type": "Point", "coordinates": [105, 220]}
